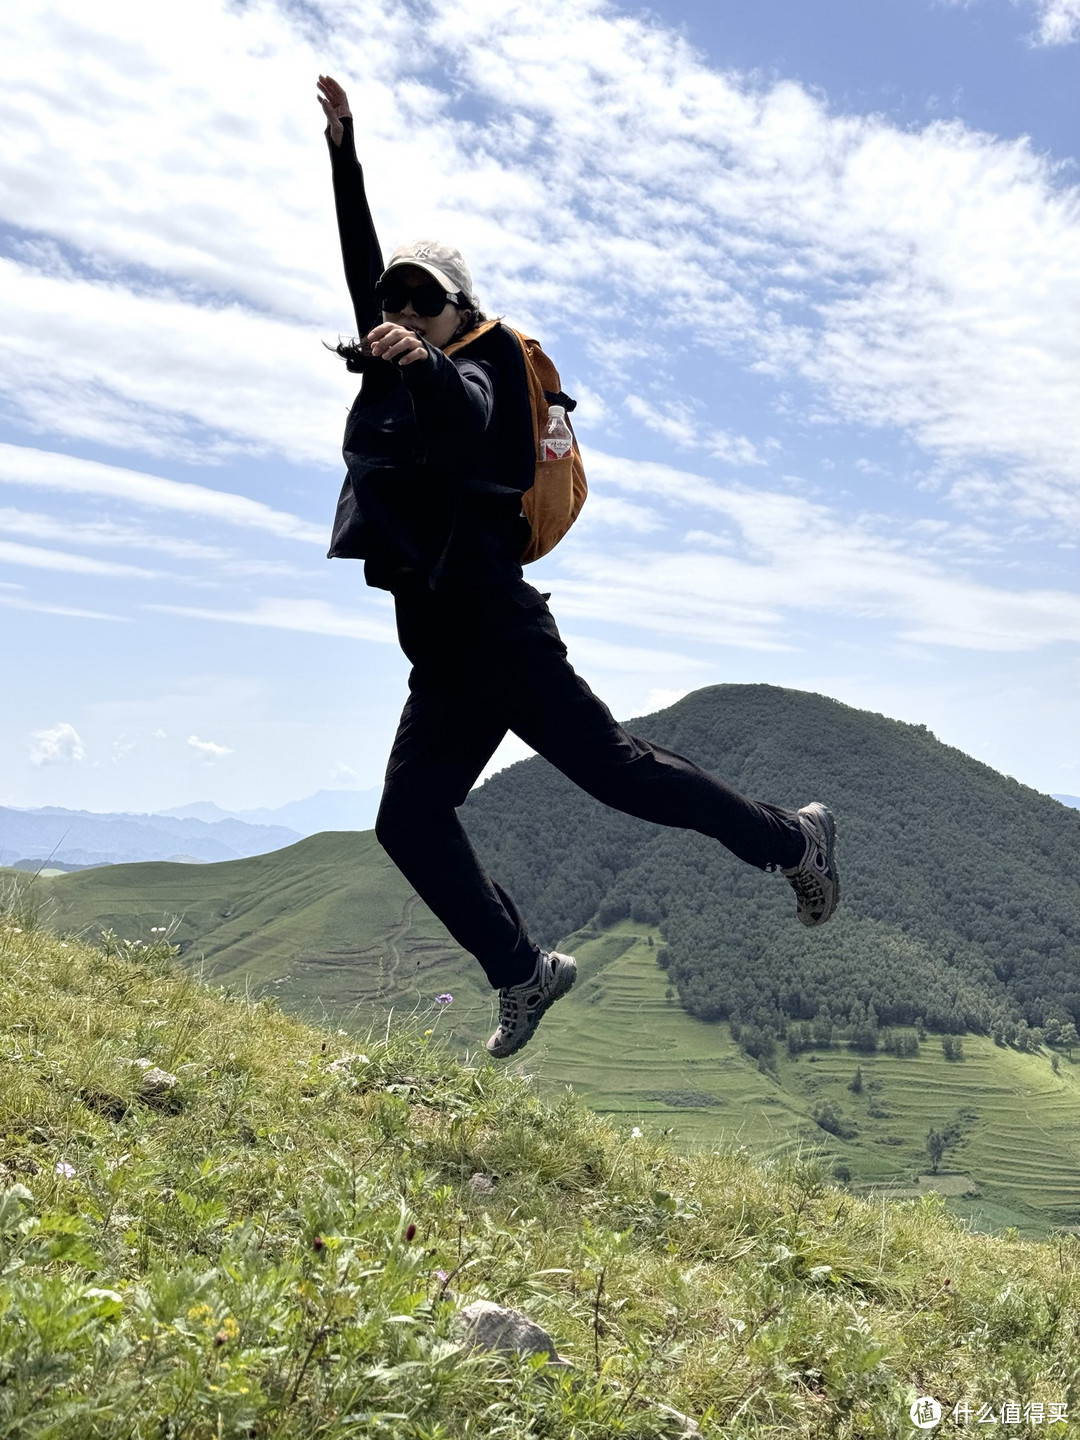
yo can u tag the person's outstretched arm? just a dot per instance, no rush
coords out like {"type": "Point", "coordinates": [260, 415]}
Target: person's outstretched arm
{"type": "Point", "coordinates": [359, 244]}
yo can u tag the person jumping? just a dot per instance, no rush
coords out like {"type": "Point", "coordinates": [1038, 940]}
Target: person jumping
{"type": "Point", "coordinates": [432, 505]}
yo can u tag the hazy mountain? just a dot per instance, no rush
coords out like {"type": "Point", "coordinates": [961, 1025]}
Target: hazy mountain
{"type": "Point", "coordinates": [86, 837]}
{"type": "Point", "coordinates": [325, 810]}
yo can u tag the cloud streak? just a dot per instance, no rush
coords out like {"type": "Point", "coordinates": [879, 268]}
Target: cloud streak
{"type": "Point", "coordinates": [47, 470]}
{"type": "Point", "coordinates": [779, 564]}
{"type": "Point", "coordinates": [314, 617]}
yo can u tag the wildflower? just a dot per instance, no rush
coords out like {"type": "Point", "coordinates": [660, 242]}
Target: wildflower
{"type": "Point", "coordinates": [220, 1338]}
{"type": "Point", "coordinates": [444, 999]}
{"type": "Point", "coordinates": [410, 1233]}
{"type": "Point", "coordinates": [319, 1243]}
{"type": "Point", "coordinates": [428, 1032]}
{"type": "Point", "coordinates": [635, 1133]}
{"type": "Point", "coordinates": [66, 1170]}
{"type": "Point", "coordinates": [442, 1275]}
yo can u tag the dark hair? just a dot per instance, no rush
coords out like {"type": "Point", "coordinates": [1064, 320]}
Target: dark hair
{"type": "Point", "coordinates": [357, 357]}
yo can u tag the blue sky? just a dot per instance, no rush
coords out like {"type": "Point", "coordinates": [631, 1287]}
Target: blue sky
{"type": "Point", "coordinates": [812, 270]}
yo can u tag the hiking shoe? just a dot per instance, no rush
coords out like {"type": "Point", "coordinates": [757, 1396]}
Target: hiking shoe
{"type": "Point", "coordinates": [815, 879]}
{"type": "Point", "coordinates": [521, 1006]}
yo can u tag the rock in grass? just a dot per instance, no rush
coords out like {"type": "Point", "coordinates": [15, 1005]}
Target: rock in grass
{"type": "Point", "coordinates": [687, 1428]}
{"type": "Point", "coordinates": [496, 1327]}
{"type": "Point", "coordinates": [155, 1081]}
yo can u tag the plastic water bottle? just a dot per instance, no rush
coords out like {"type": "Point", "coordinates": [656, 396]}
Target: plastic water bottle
{"type": "Point", "coordinates": [558, 439]}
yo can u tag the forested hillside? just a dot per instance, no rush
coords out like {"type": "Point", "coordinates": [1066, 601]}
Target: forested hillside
{"type": "Point", "coordinates": [961, 903]}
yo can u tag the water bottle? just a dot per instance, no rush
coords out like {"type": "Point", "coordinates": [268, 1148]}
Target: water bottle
{"type": "Point", "coordinates": [557, 440]}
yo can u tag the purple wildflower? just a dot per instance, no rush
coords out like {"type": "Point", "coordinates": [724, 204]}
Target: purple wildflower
{"type": "Point", "coordinates": [444, 999]}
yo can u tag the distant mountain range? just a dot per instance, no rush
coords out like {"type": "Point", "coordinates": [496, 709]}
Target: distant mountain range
{"type": "Point", "coordinates": [67, 839]}
{"type": "Point", "coordinates": [55, 838]}
{"type": "Point", "coordinates": [325, 810]}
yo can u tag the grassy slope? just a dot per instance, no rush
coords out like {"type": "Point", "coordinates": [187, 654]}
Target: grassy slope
{"type": "Point", "coordinates": [330, 928]}
{"type": "Point", "coordinates": [630, 1052]}
{"type": "Point", "coordinates": [238, 1259]}
{"type": "Point", "coordinates": [329, 922]}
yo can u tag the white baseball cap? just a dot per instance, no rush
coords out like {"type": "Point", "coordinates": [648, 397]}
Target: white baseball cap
{"type": "Point", "coordinates": [442, 262]}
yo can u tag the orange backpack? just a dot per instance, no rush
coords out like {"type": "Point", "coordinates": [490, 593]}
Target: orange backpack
{"type": "Point", "coordinates": [558, 491]}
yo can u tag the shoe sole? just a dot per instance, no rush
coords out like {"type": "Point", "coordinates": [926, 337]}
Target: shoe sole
{"type": "Point", "coordinates": [563, 986]}
{"type": "Point", "coordinates": [825, 815]}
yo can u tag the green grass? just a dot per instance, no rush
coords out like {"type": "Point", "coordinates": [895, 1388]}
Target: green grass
{"type": "Point", "coordinates": [276, 1245]}
{"type": "Point", "coordinates": [331, 929]}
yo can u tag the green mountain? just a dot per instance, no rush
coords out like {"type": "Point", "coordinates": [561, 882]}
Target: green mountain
{"type": "Point", "coordinates": [961, 889]}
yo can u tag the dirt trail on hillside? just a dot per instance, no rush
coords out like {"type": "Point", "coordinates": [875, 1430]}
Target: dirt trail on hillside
{"type": "Point", "coordinates": [390, 964]}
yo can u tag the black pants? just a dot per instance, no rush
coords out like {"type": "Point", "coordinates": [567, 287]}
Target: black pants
{"type": "Point", "coordinates": [486, 664]}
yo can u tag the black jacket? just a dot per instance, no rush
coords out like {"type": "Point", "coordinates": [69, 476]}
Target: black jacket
{"type": "Point", "coordinates": [436, 453]}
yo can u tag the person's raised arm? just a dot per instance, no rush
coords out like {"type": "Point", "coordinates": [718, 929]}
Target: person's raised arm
{"type": "Point", "coordinates": [359, 244]}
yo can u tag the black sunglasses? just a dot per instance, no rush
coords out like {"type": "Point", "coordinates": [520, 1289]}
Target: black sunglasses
{"type": "Point", "coordinates": [429, 299]}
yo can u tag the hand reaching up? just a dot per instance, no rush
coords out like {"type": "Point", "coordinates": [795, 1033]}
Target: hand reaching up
{"type": "Point", "coordinates": [335, 106]}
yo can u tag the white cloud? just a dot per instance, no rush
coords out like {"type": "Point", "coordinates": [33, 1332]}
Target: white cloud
{"type": "Point", "coordinates": [617, 513]}
{"type": "Point", "coordinates": [1059, 21]}
{"type": "Point", "coordinates": [676, 421]}
{"type": "Point", "coordinates": [106, 533]}
{"type": "Point", "coordinates": [164, 374]}
{"type": "Point", "coordinates": [315, 617]}
{"type": "Point", "coordinates": [43, 607]}
{"type": "Point", "coordinates": [604, 655]}
{"type": "Point", "coordinates": [39, 559]}
{"type": "Point", "coordinates": [59, 746]}
{"type": "Point", "coordinates": [207, 750]}
{"type": "Point", "coordinates": [46, 470]}
{"type": "Point", "coordinates": [918, 279]}
{"type": "Point", "coordinates": [781, 566]}
{"type": "Point", "coordinates": [661, 699]}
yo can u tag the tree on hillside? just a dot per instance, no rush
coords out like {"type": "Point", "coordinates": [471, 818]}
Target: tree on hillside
{"type": "Point", "coordinates": [935, 1148]}
{"type": "Point", "coordinates": [864, 1030]}
{"type": "Point", "coordinates": [855, 1084]}
{"type": "Point", "coordinates": [829, 1118]}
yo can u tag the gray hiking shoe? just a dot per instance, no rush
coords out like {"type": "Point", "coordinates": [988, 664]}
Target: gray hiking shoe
{"type": "Point", "coordinates": [521, 1006]}
{"type": "Point", "coordinates": [816, 880]}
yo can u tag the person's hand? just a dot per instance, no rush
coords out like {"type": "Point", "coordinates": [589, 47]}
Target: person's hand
{"type": "Point", "coordinates": [335, 106]}
{"type": "Point", "coordinates": [394, 342]}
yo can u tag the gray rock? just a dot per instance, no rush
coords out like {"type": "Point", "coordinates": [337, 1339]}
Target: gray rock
{"type": "Point", "coordinates": [495, 1327]}
{"type": "Point", "coordinates": [481, 1184]}
{"type": "Point", "coordinates": [154, 1080]}
{"type": "Point", "coordinates": [689, 1428]}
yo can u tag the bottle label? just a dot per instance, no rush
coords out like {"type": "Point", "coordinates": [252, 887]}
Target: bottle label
{"type": "Point", "coordinates": [555, 447]}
